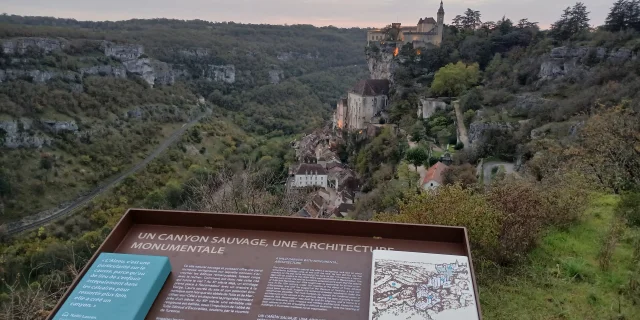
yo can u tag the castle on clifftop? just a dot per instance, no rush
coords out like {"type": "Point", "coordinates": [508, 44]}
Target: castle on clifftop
{"type": "Point", "coordinates": [428, 31]}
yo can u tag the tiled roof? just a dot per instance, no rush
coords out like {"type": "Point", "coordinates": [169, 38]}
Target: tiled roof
{"type": "Point", "coordinates": [332, 165]}
{"type": "Point", "coordinates": [435, 173]}
{"type": "Point", "coordinates": [318, 201]}
{"type": "Point", "coordinates": [311, 169]}
{"type": "Point", "coordinates": [429, 20]}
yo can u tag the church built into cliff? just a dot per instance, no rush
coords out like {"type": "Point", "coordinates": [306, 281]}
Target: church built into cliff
{"type": "Point", "coordinates": [428, 31]}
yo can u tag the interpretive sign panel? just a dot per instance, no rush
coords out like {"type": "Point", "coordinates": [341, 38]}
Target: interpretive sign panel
{"type": "Point", "coordinates": [246, 267]}
{"type": "Point", "coordinates": [117, 286]}
{"type": "Point", "coordinates": [421, 286]}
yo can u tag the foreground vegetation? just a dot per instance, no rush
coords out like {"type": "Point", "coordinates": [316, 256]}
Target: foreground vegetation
{"type": "Point", "coordinates": [562, 278]}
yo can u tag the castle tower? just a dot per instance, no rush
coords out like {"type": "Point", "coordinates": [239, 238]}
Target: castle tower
{"type": "Point", "coordinates": [440, 23]}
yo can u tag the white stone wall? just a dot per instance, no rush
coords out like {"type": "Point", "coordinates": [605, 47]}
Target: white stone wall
{"type": "Point", "coordinates": [362, 109]}
{"type": "Point", "coordinates": [429, 106]}
{"type": "Point", "coordinates": [431, 185]}
{"type": "Point", "coordinates": [302, 180]}
{"type": "Point", "coordinates": [375, 36]}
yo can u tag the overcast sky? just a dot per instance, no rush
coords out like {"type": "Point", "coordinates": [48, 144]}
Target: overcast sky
{"type": "Point", "coordinates": [342, 13]}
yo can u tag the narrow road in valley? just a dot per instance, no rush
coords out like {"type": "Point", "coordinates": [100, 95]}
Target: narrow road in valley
{"type": "Point", "coordinates": [462, 130]}
{"type": "Point", "coordinates": [40, 219]}
{"type": "Point", "coordinates": [488, 166]}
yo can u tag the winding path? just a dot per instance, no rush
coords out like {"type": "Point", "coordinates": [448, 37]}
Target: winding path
{"type": "Point", "coordinates": [38, 220]}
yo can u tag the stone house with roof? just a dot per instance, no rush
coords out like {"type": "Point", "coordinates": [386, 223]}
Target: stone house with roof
{"type": "Point", "coordinates": [366, 104]}
{"type": "Point", "coordinates": [434, 177]}
{"type": "Point", "coordinates": [310, 175]}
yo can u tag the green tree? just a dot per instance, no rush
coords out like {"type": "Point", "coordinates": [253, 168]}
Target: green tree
{"type": "Point", "coordinates": [453, 79]}
{"type": "Point", "coordinates": [174, 194]}
{"type": "Point", "coordinates": [625, 14]}
{"type": "Point", "coordinates": [609, 148]}
{"type": "Point", "coordinates": [471, 20]}
{"type": "Point", "coordinates": [407, 177]}
{"type": "Point", "coordinates": [574, 20]}
{"type": "Point", "coordinates": [418, 131]}
{"type": "Point", "coordinates": [417, 156]}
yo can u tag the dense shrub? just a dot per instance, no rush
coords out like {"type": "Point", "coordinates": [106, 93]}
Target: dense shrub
{"type": "Point", "coordinates": [453, 206]}
{"type": "Point", "coordinates": [629, 208]}
{"type": "Point", "coordinates": [504, 222]}
{"type": "Point", "coordinates": [520, 202]}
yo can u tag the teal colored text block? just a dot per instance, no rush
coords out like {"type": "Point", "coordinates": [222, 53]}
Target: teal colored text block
{"type": "Point", "coordinates": [117, 286]}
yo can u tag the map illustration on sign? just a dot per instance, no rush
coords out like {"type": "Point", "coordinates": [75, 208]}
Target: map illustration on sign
{"type": "Point", "coordinates": [421, 286]}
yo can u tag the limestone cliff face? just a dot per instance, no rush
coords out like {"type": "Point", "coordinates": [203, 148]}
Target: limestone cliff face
{"type": "Point", "coordinates": [141, 67]}
{"type": "Point", "coordinates": [18, 134]}
{"type": "Point", "coordinates": [574, 62]}
{"type": "Point", "coordinates": [152, 71]}
{"type": "Point", "coordinates": [123, 52]}
{"type": "Point", "coordinates": [477, 130]}
{"type": "Point", "coordinates": [131, 59]}
{"type": "Point", "coordinates": [57, 127]}
{"type": "Point", "coordinates": [38, 76]}
{"type": "Point", "coordinates": [381, 65]}
{"type": "Point", "coordinates": [194, 52]}
{"type": "Point", "coordinates": [164, 73]}
{"type": "Point", "coordinates": [116, 71]}
{"type": "Point", "coordinates": [22, 45]}
{"type": "Point", "coordinates": [223, 73]}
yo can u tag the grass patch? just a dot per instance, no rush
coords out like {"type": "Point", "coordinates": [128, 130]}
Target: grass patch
{"type": "Point", "coordinates": [562, 280]}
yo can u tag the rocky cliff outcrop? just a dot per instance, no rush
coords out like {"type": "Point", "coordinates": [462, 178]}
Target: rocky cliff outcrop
{"type": "Point", "coordinates": [224, 73]}
{"type": "Point", "coordinates": [382, 64]}
{"type": "Point", "coordinates": [141, 67]}
{"type": "Point", "coordinates": [18, 134]}
{"type": "Point", "coordinates": [38, 76]}
{"type": "Point", "coordinates": [164, 73]}
{"type": "Point", "coordinates": [105, 70]}
{"type": "Point", "coordinates": [131, 57]}
{"type": "Point", "coordinates": [477, 130]}
{"type": "Point", "coordinates": [22, 45]}
{"type": "Point", "coordinates": [152, 71]}
{"type": "Point", "coordinates": [428, 106]}
{"type": "Point", "coordinates": [194, 53]}
{"type": "Point", "coordinates": [56, 127]}
{"type": "Point", "coordinates": [566, 61]}
{"type": "Point", "coordinates": [123, 52]}
{"type": "Point", "coordinates": [557, 130]}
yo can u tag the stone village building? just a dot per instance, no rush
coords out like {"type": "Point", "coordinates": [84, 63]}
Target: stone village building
{"type": "Point", "coordinates": [366, 104]}
{"type": "Point", "coordinates": [428, 31]}
{"type": "Point", "coordinates": [310, 175]}
{"type": "Point", "coordinates": [434, 177]}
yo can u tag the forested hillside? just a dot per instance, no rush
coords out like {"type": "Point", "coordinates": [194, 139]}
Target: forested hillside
{"type": "Point", "coordinates": [83, 101]}
{"type": "Point", "coordinates": [540, 131]}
